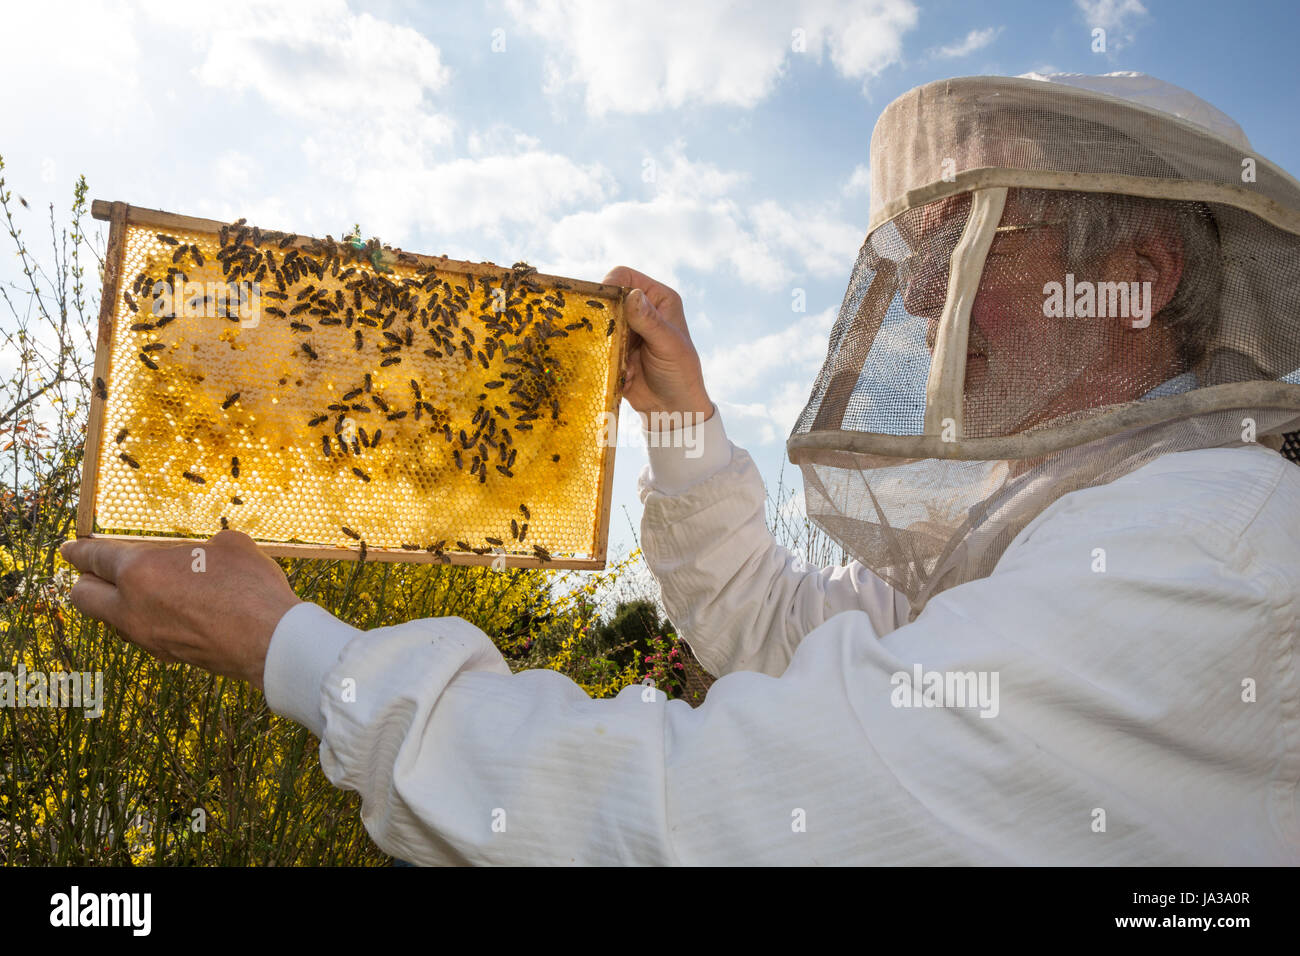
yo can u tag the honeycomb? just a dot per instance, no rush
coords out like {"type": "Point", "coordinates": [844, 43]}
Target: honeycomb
{"type": "Point", "coordinates": [349, 395]}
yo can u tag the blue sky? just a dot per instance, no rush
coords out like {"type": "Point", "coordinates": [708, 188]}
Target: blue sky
{"type": "Point", "coordinates": [516, 130]}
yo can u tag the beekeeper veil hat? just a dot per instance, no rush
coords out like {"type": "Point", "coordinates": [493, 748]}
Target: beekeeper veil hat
{"type": "Point", "coordinates": [1063, 278]}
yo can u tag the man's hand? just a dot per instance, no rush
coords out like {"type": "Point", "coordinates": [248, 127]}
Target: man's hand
{"type": "Point", "coordinates": [663, 369]}
{"type": "Point", "coordinates": [215, 605]}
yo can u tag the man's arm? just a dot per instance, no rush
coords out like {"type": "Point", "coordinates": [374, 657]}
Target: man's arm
{"type": "Point", "coordinates": [740, 599]}
{"type": "Point", "coordinates": [1116, 730]}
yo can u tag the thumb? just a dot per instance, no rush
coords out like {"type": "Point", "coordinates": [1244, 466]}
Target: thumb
{"type": "Point", "coordinates": [644, 319]}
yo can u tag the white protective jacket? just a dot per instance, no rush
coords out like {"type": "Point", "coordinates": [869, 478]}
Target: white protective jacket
{"type": "Point", "coordinates": [1147, 713]}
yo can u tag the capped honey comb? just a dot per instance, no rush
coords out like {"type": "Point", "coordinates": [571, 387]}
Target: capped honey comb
{"type": "Point", "coordinates": [334, 398]}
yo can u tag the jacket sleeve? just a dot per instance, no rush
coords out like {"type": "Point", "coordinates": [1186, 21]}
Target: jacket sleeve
{"type": "Point", "coordinates": [1102, 722]}
{"type": "Point", "coordinates": [740, 599]}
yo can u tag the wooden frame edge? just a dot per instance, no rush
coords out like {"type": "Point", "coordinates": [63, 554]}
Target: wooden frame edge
{"type": "Point", "coordinates": [117, 213]}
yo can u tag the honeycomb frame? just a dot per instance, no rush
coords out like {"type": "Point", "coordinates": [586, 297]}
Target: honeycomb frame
{"type": "Point", "coordinates": [200, 421]}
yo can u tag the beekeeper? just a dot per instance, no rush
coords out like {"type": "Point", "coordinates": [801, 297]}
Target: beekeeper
{"type": "Point", "coordinates": [1045, 433]}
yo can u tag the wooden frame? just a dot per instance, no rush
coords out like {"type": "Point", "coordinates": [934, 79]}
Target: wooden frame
{"type": "Point", "coordinates": [121, 215]}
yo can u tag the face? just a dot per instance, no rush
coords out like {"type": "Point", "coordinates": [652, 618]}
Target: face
{"type": "Point", "coordinates": [1023, 367]}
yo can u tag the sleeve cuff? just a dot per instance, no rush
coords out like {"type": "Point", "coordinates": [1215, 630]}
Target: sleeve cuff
{"type": "Point", "coordinates": [304, 648]}
{"type": "Point", "coordinates": [682, 457]}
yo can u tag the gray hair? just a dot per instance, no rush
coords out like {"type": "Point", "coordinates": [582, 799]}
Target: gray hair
{"type": "Point", "coordinates": [1096, 223]}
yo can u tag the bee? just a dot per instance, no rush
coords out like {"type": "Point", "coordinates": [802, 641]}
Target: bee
{"type": "Point", "coordinates": [130, 301]}
{"type": "Point", "coordinates": [170, 240]}
{"type": "Point", "coordinates": [359, 473]}
{"type": "Point", "coordinates": [278, 313]}
{"type": "Point", "coordinates": [523, 510]}
{"type": "Point", "coordinates": [501, 411]}
{"type": "Point", "coordinates": [196, 255]}
{"type": "Point", "coordinates": [541, 552]}
{"type": "Point", "coordinates": [318, 420]}
{"type": "Point", "coordinates": [287, 241]}
{"type": "Point", "coordinates": [356, 450]}
{"type": "Point", "coordinates": [309, 351]}
{"type": "Point", "coordinates": [234, 467]}
{"type": "Point", "coordinates": [325, 444]}
{"type": "Point", "coordinates": [343, 445]}
{"type": "Point", "coordinates": [180, 251]}
{"type": "Point", "coordinates": [361, 555]}
{"type": "Point", "coordinates": [483, 360]}
{"type": "Point", "coordinates": [446, 431]}
{"type": "Point", "coordinates": [350, 533]}
{"type": "Point", "coordinates": [391, 360]}
{"type": "Point", "coordinates": [573, 325]}
{"type": "Point", "coordinates": [300, 308]}
{"type": "Point", "coordinates": [197, 479]}
{"type": "Point", "coordinates": [455, 453]}
{"type": "Point", "coordinates": [129, 460]}
{"type": "Point", "coordinates": [410, 547]}
{"type": "Point", "coordinates": [142, 327]}
{"type": "Point", "coordinates": [225, 525]}
{"type": "Point", "coordinates": [390, 349]}
{"type": "Point", "coordinates": [352, 394]}
{"type": "Point", "coordinates": [609, 329]}
{"type": "Point", "coordinates": [236, 500]}
{"type": "Point", "coordinates": [524, 426]}
{"type": "Point", "coordinates": [494, 541]}
{"type": "Point", "coordinates": [153, 347]}
{"type": "Point", "coordinates": [493, 384]}
{"type": "Point", "coordinates": [230, 400]}
{"type": "Point", "coordinates": [378, 400]}
{"type": "Point", "coordinates": [463, 546]}
{"type": "Point", "coordinates": [368, 383]}
{"type": "Point", "coordinates": [596, 304]}
{"type": "Point", "coordinates": [514, 529]}
{"type": "Point", "coordinates": [357, 342]}
{"type": "Point", "coordinates": [121, 436]}
{"type": "Point", "coordinates": [396, 416]}
{"type": "Point", "coordinates": [555, 458]}
{"type": "Point", "coordinates": [150, 363]}
{"type": "Point", "coordinates": [330, 320]}
{"type": "Point", "coordinates": [523, 531]}
{"type": "Point", "coordinates": [101, 389]}
{"type": "Point", "coordinates": [555, 408]}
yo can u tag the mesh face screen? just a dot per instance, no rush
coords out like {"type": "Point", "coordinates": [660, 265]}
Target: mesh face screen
{"type": "Point", "coordinates": [407, 406]}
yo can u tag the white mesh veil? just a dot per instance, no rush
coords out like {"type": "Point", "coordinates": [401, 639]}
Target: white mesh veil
{"type": "Point", "coordinates": [1059, 284]}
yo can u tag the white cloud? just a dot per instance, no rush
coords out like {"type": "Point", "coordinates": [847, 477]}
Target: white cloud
{"type": "Point", "coordinates": [693, 222]}
{"type": "Point", "coordinates": [642, 58]}
{"type": "Point", "coordinates": [467, 195]}
{"type": "Point", "coordinates": [975, 40]}
{"type": "Point", "coordinates": [737, 367]}
{"type": "Point", "coordinates": [859, 181]}
{"type": "Point", "coordinates": [365, 87]}
{"type": "Point", "coordinates": [1116, 17]}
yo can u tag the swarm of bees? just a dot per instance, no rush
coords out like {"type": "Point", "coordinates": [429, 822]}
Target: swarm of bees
{"type": "Point", "coordinates": [503, 324]}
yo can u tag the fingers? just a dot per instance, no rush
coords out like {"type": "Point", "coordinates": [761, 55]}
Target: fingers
{"type": "Point", "coordinates": [97, 598]}
{"type": "Point", "coordinates": [664, 298]}
{"type": "Point", "coordinates": [104, 559]}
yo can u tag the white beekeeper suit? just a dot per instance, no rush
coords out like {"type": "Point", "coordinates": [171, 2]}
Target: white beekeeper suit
{"type": "Point", "coordinates": [1069, 634]}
